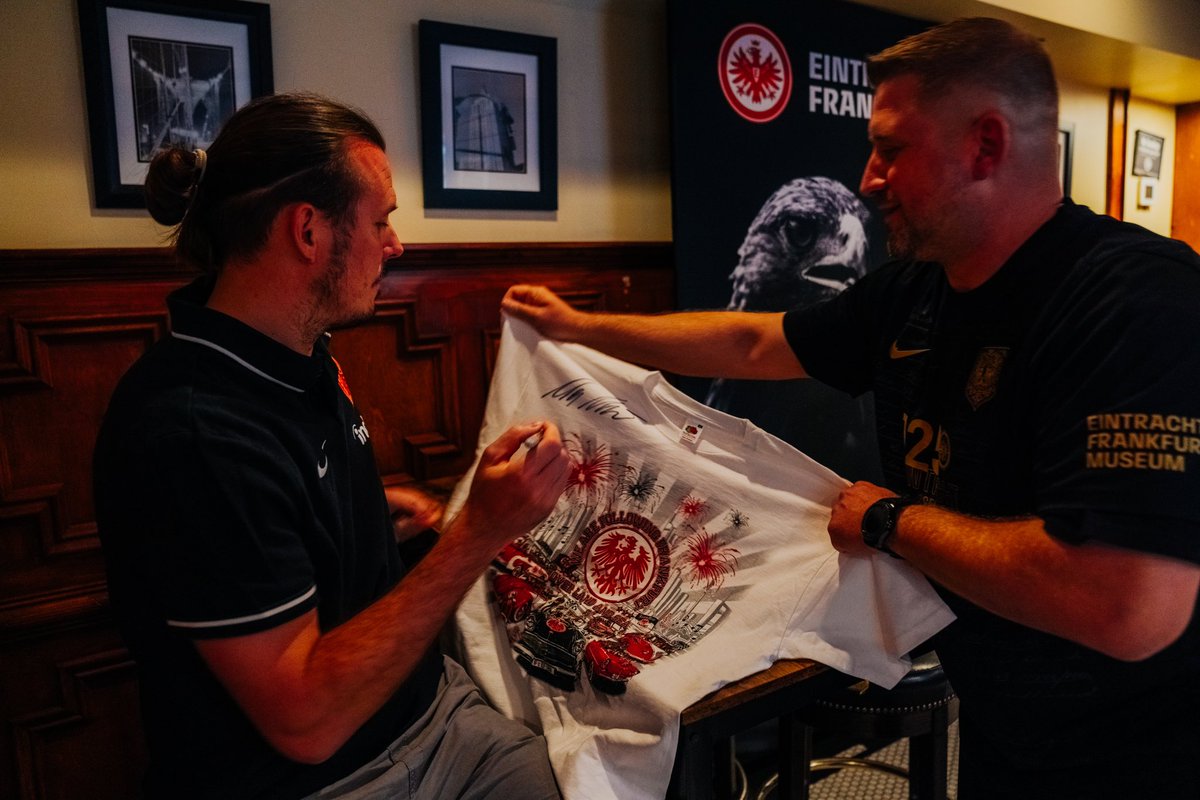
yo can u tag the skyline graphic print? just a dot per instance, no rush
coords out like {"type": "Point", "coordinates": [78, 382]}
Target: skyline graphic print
{"type": "Point", "coordinates": [631, 566]}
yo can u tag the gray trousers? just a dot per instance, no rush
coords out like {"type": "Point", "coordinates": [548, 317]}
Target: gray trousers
{"type": "Point", "coordinates": [460, 748]}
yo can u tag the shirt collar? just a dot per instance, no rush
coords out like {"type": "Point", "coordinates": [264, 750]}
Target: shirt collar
{"type": "Point", "coordinates": [193, 321]}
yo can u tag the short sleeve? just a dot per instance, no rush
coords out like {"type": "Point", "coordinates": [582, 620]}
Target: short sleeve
{"type": "Point", "coordinates": [225, 549]}
{"type": "Point", "coordinates": [1116, 404]}
{"type": "Point", "coordinates": [837, 341]}
{"type": "Point", "coordinates": [831, 340]}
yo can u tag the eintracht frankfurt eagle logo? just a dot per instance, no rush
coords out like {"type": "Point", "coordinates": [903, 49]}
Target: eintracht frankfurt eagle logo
{"type": "Point", "coordinates": [622, 561]}
{"type": "Point", "coordinates": [755, 72]}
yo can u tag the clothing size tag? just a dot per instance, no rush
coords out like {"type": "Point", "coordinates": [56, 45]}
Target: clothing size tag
{"type": "Point", "coordinates": [691, 432]}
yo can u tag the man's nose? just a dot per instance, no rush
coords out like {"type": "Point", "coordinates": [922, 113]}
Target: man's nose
{"type": "Point", "coordinates": [872, 178]}
{"type": "Point", "coordinates": [393, 248]}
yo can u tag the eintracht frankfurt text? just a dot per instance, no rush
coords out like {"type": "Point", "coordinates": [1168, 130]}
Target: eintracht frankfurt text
{"type": "Point", "coordinates": [1141, 441]}
{"type": "Point", "coordinates": [837, 72]}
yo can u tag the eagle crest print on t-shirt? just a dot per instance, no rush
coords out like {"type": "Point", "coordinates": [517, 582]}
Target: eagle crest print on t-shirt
{"type": "Point", "coordinates": [631, 565]}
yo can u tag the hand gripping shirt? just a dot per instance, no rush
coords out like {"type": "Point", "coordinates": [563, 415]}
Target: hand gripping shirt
{"type": "Point", "coordinates": [1067, 387]}
{"type": "Point", "coordinates": [236, 489]}
{"type": "Point", "coordinates": [689, 549]}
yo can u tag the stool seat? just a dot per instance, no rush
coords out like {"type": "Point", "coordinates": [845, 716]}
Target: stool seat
{"type": "Point", "coordinates": [873, 712]}
{"type": "Point", "coordinates": [919, 707]}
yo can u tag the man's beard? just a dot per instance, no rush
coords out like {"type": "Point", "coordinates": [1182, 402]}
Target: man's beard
{"type": "Point", "coordinates": [902, 242]}
{"type": "Point", "coordinates": [328, 298]}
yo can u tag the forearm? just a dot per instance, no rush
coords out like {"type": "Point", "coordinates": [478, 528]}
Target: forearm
{"type": "Point", "coordinates": [1121, 602]}
{"type": "Point", "coordinates": [336, 680]}
{"type": "Point", "coordinates": [725, 344]}
{"type": "Point", "coordinates": [715, 344]}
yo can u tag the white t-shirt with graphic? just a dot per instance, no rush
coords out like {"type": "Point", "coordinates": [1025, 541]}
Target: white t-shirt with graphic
{"type": "Point", "coordinates": [689, 549]}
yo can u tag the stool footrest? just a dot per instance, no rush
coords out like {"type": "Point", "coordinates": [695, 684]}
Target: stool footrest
{"type": "Point", "coordinates": [820, 764]}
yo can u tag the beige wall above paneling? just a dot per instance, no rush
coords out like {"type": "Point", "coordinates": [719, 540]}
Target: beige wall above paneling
{"type": "Point", "coordinates": [613, 156]}
{"type": "Point", "coordinates": [1084, 110]}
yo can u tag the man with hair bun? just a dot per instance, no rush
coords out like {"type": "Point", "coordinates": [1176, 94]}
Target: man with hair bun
{"type": "Point", "coordinates": [1038, 415]}
{"type": "Point", "coordinates": [284, 625]}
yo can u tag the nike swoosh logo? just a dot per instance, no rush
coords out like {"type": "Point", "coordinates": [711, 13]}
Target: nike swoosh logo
{"type": "Point", "coordinates": [895, 352]}
{"type": "Point", "coordinates": [323, 467]}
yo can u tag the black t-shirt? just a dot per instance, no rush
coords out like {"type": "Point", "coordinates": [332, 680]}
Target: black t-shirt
{"type": "Point", "coordinates": [1064, 387]}
{"type": "Point", "coordinates": [236, 489]}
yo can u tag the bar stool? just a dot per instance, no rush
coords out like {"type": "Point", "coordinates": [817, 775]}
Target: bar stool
{"type": "Point", "coordinates": [920, 707]}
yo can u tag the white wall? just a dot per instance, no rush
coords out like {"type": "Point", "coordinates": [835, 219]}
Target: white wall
{"type": "Point", "coordinates": [1085, 109]}
{"type": "Point", "coordinates": [614, 182]}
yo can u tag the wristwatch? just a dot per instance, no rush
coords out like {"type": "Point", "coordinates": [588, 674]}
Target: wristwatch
{"type": "Point", "coordinates": [879, 522]}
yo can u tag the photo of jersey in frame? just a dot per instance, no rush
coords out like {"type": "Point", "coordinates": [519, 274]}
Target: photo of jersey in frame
{"type": "Point", "coordinates": [781, 95]}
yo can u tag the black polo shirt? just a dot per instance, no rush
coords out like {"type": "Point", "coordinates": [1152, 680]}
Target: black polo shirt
{"type": "Point", "coordinates": [236, 489]}
{"type": "Point", "coordinates": [1068, 387]}
{"type": "Point", "coordinates": [1065, 386]}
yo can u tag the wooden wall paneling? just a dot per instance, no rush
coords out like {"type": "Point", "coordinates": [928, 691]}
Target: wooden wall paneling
{"type": "Point", "coordinates": [72, 321]}
{"type": "Point", "coordinates": [1185, 209]}
{"type": "Point", "coordinates": [405, 383]}
{"type": "Point", "coordinates": [89, 743]}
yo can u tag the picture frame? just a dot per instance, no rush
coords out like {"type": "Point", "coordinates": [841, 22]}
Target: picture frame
{"type": "Point", "coordinates": [1066, 153]}
{"type": "Point", "coordinates": [1147, 154]}
{"type": "Point", "coordinates": [165, 73]}
{"type": "Point", "coordinates": [489, 113]}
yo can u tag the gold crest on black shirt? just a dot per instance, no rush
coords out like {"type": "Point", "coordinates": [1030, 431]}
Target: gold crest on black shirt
{"type": "Point", "coordinates": [985, 375]}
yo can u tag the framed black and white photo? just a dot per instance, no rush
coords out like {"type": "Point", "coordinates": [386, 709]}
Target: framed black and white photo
{"type": "Point", "coordinates": [488, 118]}
{"type": "Point", "coordinates": [1147, 154]}
{"type": "Point", "coordinates": [163, 74]}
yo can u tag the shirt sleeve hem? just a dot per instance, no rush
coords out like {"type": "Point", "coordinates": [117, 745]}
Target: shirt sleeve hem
{"type": "Point", "coordinates": [1165, 536]}
{"type": "Point", "coordinates": [250, 623]}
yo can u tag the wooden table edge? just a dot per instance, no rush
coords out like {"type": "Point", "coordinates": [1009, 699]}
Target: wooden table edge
{"type": "Point", "coordinates": [781, 674]}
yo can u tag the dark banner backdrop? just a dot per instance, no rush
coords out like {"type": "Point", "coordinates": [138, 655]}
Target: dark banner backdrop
{"type": "Point", "coordinates": [769, 111]}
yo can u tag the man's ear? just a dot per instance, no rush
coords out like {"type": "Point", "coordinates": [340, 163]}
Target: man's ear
{"type": "Point", "coordinates": [991, 141]}
{"type": "Point", "coordinates": [304, 226]}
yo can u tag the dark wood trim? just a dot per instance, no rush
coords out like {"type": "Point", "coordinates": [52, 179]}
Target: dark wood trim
{"type": "Point", "coordinates": [1118, 133]}
{"type": "Point", "coordinates": [143, 263]}
{"type": "Point", "coordinates": [628, 255]}
{"type": "Point", "coordinates": [107, 264]}
{"type": "Point", "coordinates": [1185, 205]}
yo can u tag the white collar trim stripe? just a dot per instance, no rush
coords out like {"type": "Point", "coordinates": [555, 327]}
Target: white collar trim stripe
{"type": "Point", "coordinates": [236, 358]}
{"type": "Point", "coordinates": [218, 623]}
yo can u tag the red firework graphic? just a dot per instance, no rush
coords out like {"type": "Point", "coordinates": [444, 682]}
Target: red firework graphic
{"type": "Point", "coordinates": [692, 507]}
{"type": "Point", "coordinates": [591, 468]}
{"type": "Point", "coordinates": [708, 560]}
{"type": "Point", "coordinates": [619, 564]}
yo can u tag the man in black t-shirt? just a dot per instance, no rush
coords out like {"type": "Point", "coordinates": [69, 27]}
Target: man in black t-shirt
{"type": "Point", "coordinates": [1038, 419]}
{"type": "Point", "coordinates": [286, 644]}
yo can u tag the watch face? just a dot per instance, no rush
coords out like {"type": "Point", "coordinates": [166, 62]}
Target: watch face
{"type": "Point", "coordinates": [877, 522]}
